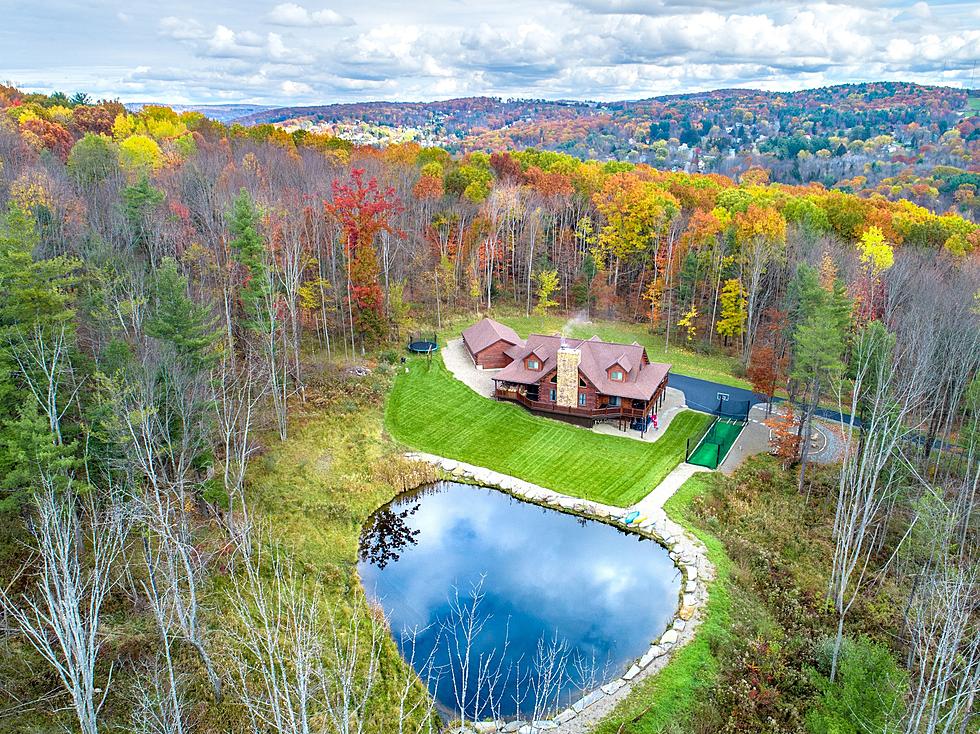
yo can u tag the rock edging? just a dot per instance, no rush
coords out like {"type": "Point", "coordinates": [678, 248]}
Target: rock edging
{"type": "Point", "coordinates": [687, 552]}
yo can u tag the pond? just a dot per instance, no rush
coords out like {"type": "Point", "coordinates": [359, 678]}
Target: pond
{"type": "Point", "coordinates": [509, 609]}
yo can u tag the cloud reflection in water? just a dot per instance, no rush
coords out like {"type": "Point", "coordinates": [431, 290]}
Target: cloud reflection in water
{"type": "Point", "coordinates": [606, 592]}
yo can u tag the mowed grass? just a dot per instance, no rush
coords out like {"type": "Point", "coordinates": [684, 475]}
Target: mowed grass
{"type": "Point", "coordinates": [430, 410]}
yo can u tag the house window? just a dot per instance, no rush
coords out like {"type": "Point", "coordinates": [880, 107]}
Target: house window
{"type": "Point", "coordinates": [581, 399]}
{"type": "Point", "coordinates": [533, 364]}
{"type": "Point", "coordinates": [614, 401]}
{"type": "Point", "coordinates": [616, 375]}
{"type": "Point", "coordinates": [581, 382]}
{"type": "Point", "coordinates": [554, 394]}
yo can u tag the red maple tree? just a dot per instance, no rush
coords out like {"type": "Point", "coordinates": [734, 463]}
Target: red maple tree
{"type": "Point", "coordinates": [364, 210]}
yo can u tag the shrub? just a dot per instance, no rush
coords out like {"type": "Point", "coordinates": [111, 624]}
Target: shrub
{"type": "Point", "coordinates": [389, 356]}
{"type": "Point", "coordinates": [867, 695]}
{"type": "Point", "coordinates": [763, 688]}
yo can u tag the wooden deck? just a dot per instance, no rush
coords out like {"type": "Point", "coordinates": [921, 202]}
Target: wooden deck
{"type": "Point", "coordinates": [624, 412]}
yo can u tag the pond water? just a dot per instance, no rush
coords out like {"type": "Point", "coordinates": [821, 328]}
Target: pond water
{"type": "Point", "coordinates": [554, 604]}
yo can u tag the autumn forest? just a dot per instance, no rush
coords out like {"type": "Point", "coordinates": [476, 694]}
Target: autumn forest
{"type": "Point", "coordinates": [196, 316]}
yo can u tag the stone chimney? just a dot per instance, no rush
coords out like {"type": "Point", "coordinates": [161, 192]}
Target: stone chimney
{"type": "Point", "coordinates": [568, 359]}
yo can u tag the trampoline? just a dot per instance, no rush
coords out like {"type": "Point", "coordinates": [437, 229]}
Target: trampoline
{"type": "Point", "coordinates": [423, 344]}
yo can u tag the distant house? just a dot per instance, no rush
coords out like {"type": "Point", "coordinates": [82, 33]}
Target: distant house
{"type": "Point", "coordinates": [583, 381]}
{"type": "Point", "coordinates": [488, 342]}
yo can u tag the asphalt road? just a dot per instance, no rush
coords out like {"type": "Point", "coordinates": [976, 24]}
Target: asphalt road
{"type": "Point", "coordinates": [704, 395]}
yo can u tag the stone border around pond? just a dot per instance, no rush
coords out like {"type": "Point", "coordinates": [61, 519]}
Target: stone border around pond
{"type": "Point", "coordinates": [688, 554]}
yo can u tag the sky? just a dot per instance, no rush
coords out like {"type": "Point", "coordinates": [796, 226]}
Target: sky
{"type": "Point", "coordinates": [316, 52]}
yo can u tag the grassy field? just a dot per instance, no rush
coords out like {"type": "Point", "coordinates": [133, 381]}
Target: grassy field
{"type": "Point", "coordinates": [432, 411]}
{"type": "Point", "coordinates": [313, 493]}
{"type": "Point", "coordinates": [715, 367]}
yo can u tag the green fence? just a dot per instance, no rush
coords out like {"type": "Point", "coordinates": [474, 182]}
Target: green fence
{"type": "Point", "coordinates": [715, 443]}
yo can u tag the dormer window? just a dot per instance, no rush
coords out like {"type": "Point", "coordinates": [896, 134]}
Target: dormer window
{"type": "Point", "coordinates": [533, 363]}
{"type": "Point", "coordinates": [616, 375]}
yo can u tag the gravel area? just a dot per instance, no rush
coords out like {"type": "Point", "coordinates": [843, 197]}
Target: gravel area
{"type": "Point", "coordinates": [832, 450]}
{"type": "Point", "coordinates": [457, 361]}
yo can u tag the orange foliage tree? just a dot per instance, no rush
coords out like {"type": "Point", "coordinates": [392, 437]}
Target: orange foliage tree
{"type": "Point", "coordinates": [784, 435]}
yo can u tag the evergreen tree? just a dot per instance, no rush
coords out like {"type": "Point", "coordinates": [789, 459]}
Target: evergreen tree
{"type": "Point", "coordinates": [248, 250]}
{"type": "Point", "coordinates": [818, 350]}
{"type": "Point", "coordinates": [178, 321]}
{"type": "Point", "coordinates": [139, 201]}
{"type": "Point", "coordinates": [35, 303]}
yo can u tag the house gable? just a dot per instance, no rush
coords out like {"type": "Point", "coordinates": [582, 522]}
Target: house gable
{"type": "Point", "coordinates": [534, 361]}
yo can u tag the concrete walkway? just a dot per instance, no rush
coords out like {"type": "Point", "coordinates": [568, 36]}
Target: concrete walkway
{"type": "Point", "coordinates": [673, 404]}
{"type": "Point", "coordinates": [689, 556]}
{"type": "Point", "coordinates": [653, 503]}
{"type": "Point", "coordinates": [754, 439]}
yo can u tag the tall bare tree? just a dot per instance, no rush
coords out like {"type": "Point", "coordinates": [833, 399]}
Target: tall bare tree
{"type": "Point", "coordinates": [61, 614]}
{"type": "Point", "coordinates": [888, 393]}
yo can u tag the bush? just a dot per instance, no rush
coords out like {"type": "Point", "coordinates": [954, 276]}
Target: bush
{"type": "Point", "coordinates": [215, 493]}
{"type": "Point", "coordinates": [762, 687]}
{"type": "Point", "coordinates": [389, 356]}
{"type": "Point", "coordinates": [867, 695]}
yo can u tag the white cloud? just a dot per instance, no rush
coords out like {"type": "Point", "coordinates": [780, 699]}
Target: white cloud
{"type": "Point", "coordinates": [182, 29]}
{"type": "Point", "coordinates": [225, 43]}
{"type": "Point", "coordinates": [295, 89]}
{"type": "Point", "coordinates": [584, 49]}
{"type": "Point", "coordinates": [291, 14]}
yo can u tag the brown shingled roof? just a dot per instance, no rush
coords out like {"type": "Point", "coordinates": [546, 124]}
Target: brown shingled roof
{"type": "Point", "coordinates": [488, 332]}
{"type": "Point", "coordinates": [640, 382]}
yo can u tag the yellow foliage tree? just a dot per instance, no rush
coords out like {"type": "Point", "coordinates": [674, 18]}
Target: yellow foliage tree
{"type": "Point", "coordinates": [760, 222]}
{"type": "Point", "coordinates": [139, 155]}
{"type": "Point", "coordinates": [32, 190]}
{"type": "Point", "coordinates": [687, 322]}
{"type": "Point", "coordinates": [637, 212]}
{"type": "Point", "coordinates": [876, 254]}
{"type": "Point", "coordinates": [733, 303]}
{"type": "Point", "coordinates": [547, 281]}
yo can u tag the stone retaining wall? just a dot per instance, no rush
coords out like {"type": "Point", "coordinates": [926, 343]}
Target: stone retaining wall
{"type": "Point", "coordinates": [688, 554]}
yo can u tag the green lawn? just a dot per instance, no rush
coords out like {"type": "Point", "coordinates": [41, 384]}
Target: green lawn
{"type": "Point", "coordinates": [715, 367]}
{"type": "Point", "coordinates": [432, 411]}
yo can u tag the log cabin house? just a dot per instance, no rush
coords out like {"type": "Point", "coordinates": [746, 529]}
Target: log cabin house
{"type": "Point", "coordinates": [487, 342]}
{"type": "Point", "coordinates": [584, 381]}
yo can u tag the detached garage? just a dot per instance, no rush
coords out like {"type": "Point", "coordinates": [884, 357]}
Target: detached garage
{"type": "Point", "coordinates": [488, 341]}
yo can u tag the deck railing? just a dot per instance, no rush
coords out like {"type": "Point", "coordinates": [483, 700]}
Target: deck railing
{"type": "Point", "coordinates": [546, 406]}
